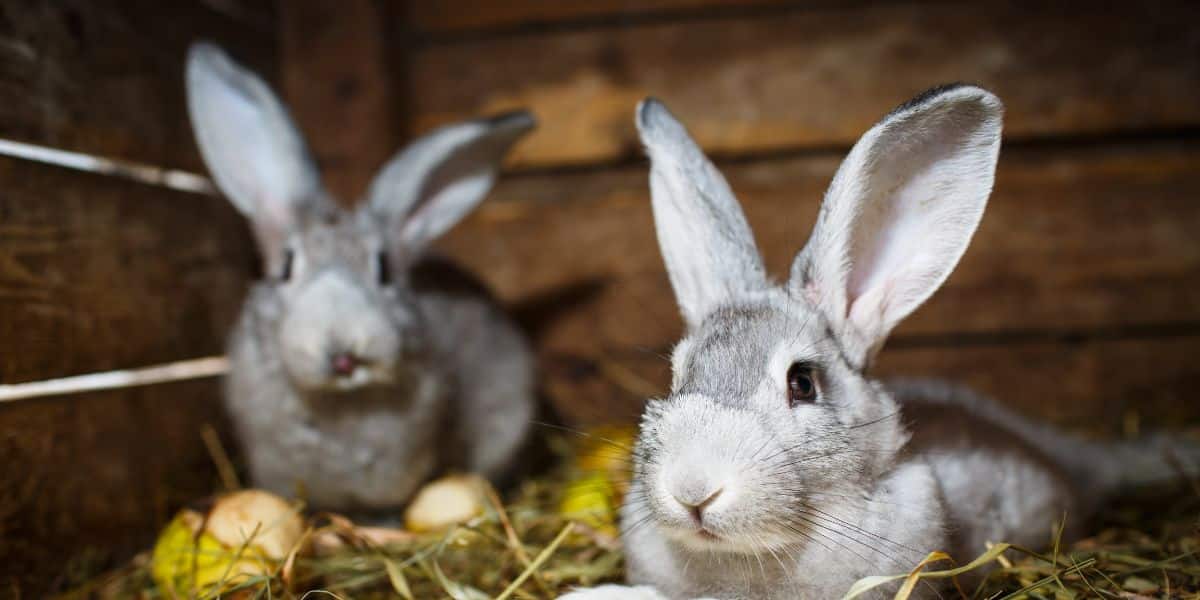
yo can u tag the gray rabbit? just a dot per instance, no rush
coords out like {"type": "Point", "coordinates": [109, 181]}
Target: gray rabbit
{"type": "Point", "coordinates": [359, 366]}
{"type": "Point", "coordinates": [777, 467]}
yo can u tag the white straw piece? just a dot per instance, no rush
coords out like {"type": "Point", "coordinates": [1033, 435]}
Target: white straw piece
{"type": "Point", "coordinates": [197, 368]}
{"type": "Point", "coordinates": [169, 178]}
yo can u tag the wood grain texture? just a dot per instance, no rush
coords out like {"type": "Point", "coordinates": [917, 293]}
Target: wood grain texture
{"type": "Point", "coordinates": [338, 86]}
{"type": "Point", "coordinates": [98, 273]}
{"type": "Point", "coordinates": [820, 77]}
{"type": "Point", "coordinates": [1100, 237]}
{"type": "Point", "coordinates": [1089, 384]}
{"type": "Point", "coordinates": [93, 477]}
{"type": "Point", "coordinates": [106, 77]}
{"type": "Point", "coordinates": [458, 16]}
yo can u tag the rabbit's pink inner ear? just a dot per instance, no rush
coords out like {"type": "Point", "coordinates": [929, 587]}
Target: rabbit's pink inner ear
{"type": "Point", "coordinates": [451, 191]}
{"type": "Point", "coordinates": [810, 292]}
{"type": "Point", "coordinates": [437, 180]}
{"type": "Point", "coordinates": [901, 211]}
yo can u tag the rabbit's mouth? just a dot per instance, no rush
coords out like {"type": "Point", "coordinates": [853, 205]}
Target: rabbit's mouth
{"type": "Point", "coordinates": [342, 373]}
{"type": "Point", "coordinates": [698, 538]}
{"type": "Point", "coordinates": [368, 374]}
{"type": "Point", "coordinates": [357, 378]}
{"type": "Point", "coordinates": [705, 539]}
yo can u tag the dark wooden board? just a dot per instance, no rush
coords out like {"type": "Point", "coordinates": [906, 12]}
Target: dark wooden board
{"type": "Point", "coordinates": [98, 273]}
{"type": "Point", "coordinates": [459, 16]}
{"type": "Point", "coordinates": [1089, 383]}
{"type": "Point", "coordinates": [1098, 385]}
{"type": "Point", "coordinates": [92, 477]}
{"type": "Point", "coordinates": [106, 77]}
{"type": "Point", "coordinates": [337, 84]}
{"type": "Point", "coordinates": [1073, 239]}
{"type": "Point", "coordinates": [820, 77]}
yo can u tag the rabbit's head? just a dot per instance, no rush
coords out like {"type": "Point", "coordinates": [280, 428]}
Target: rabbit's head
{"type": "Point", "coordinates": [771, 414]}
{"type": "Point", "coordinates": [336, 281]}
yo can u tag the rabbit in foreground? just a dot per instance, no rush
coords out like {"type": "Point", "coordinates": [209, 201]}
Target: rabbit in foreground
{"type": "Point", "coordinates": [358, 366]}
{"type": "Point", "coordinates": [777, 467]}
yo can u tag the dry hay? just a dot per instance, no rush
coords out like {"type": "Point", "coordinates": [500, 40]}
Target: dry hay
{"type": "Point", "coordinates": [528, 549]}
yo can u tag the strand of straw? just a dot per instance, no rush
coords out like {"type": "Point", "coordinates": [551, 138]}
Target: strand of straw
{"type": "Point", "coordinates": [177, 371]}
{"type": "Point", "coordinates": [537, 563]}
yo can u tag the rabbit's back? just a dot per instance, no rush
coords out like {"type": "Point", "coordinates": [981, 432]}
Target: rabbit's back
{"type": "Point", "coordinates": [998, 480]}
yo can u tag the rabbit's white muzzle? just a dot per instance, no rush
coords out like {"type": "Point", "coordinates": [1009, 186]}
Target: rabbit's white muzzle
{"type": "Point", "coordinates": [709, 490]}
{"type": "Point", "coordinates": [335, 336]}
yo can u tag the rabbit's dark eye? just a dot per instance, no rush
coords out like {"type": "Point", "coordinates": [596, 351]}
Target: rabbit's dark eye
{"type": "Point", "coordinates": [383, 268]}
{"type": "Point", "coordinates": [285, 274]}
{"type": "Point", "coordinates": [802, 384]}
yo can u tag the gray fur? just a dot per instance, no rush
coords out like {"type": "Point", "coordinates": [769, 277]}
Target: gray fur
{"type": "Point", "coordinates": [710, 253]}
{"type": "Point", "coordinates": [800, 501]}
{"type": "Point", "coordinates": [442, 378]}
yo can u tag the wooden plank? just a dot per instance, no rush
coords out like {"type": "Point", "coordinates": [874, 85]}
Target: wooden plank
{"type": "Point", "coordinates": [819, 78]}
{"type": "Point", "coordinates": [98, 273]}
{"type": "Point", "coordinates": [95, 476]}
{"type": "Point", "coordinates": [459, 16]}
{"type": "Point", "coordinates": [106, 78]}
{"type": "Point", "coordinates": [1087, 384]}
{"type": "Point", "coordinates": [336, 82]}
{"type": "Point", "coordinates": [1073, 239]}
{"type": "Point", "coordinates": [1094, 385]}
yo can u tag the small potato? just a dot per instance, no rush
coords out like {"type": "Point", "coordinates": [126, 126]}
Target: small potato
{"type": "Point", "coordinates": [447, 501]}
{"type": "Point", "coordinates": [243, 535]}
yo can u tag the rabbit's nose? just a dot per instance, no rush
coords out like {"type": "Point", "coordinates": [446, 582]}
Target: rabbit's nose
{"type": "Point", "coordinates": [344, 363]}
{"type": "Point", "coordinates": [696, 509]}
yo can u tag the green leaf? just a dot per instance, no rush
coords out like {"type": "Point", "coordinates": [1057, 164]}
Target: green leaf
{"type": "Point", "coordinates": [396, 576]}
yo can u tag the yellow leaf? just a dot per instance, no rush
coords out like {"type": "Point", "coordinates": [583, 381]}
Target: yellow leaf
{"type": "Point", "coordinates": [910, 582]}
{"type": "Point", "coordinates": [867, 584]}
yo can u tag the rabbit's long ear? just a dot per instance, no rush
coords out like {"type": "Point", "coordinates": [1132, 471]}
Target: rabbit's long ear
{"type": "Point", "coordinates": [900, 213]}
{"type": "Point", "coordinates": [705, 241]}
{"type": "Point", "coordinates": [437, 180]}
{"type": "Point", "coordinates": [249, 143]}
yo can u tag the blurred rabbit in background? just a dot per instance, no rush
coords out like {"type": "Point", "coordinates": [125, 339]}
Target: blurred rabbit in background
{"type": "Point", "coordinates": [359, 367]}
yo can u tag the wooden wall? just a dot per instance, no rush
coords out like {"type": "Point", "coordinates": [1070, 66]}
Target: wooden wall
{"type": "Point", "coordinates": [1079, 299]}
{"type": "Point", "coordinates": [100, 273]}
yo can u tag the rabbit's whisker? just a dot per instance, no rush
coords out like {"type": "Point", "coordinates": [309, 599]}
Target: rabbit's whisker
{"type": "Point", "coordinates": [854, 527]}
{"type": "Point", "coordinates": [582, 433]}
